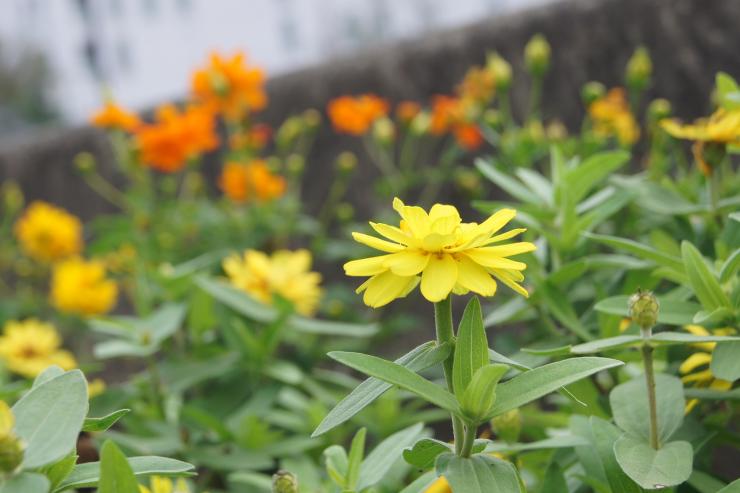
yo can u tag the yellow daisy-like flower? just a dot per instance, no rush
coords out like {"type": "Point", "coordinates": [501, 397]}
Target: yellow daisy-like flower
{"type": "Point", "coordinates": [48, 233]}
{"type": "Point", "coordinates": [285, 273]}
{"type": "Point", "coordinates": [440, 485]}
{"type": "Point", "coordinates": [161, 484]}
{"type": "Point", "coordinates": [695, 369]}
{"type": "Point", "coordinates": [31, 346]}
{"type": "Point", "coordinates": [81, 287]}
{"type": "Point", "coordinates": [440, 252]}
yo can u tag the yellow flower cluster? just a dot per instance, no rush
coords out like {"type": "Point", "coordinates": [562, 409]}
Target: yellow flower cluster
{"type": "Point", "coordinates": [29, 347]}
{"type": "Point", "coordinates": [81, 287]}
{"type": "Point", "coordinates": [612, 117]}
{"type": "Point", "coordinates": [284, 273]}
{"type": "Point", "coordinates": [439, 251]}
{"type": "Point", "coordinates": [47, 233]}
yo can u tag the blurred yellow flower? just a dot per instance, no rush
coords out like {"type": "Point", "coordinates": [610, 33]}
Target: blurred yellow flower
{"type": "Point", "coordinates": [695, 369]}
{"type": "Point", "coordinates": [721, 128]}
{"type": "Point", "coordinates": [611, 116]}
{"type": "Point", "coordinates": [445, 253]}
{"type": "Point", "coordinates": [48, 233]}
{"type": "Point", "coordinates": [253, 181]}
{"type": "Point", "coordinates": [95, 388]}
{"type": "Point", "coordinates": [11, 447]}
{"type": "Point", "coordinates": [162, 484]}
{"type": "Point", "coordinates": [29, 347]}
{"type": "Point", "coordinates": [284, 273]}
{"type": "Point", "coordinates": [440, 485]}
{"type": "Point", "coordinates": [81, 287]}
{"type": "Point", "coordinates": [112, 116]}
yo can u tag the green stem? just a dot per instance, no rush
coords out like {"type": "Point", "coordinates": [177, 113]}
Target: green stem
{"type": "Point", "coordinates": [469, 440]}
{"type": "Point", "coordinates": [647, 358]}
{"type": "Point", "coordinates": [156, 386]}
{"type": "Point", "coordinates": [445, 333]}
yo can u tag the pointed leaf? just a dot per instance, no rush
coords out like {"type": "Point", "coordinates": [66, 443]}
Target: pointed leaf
{"type": "Point", "coordinates": [672, 312]}
{"type": "Point", "coordinates": [726, 361]}
{"type": "Point", "coordinates": [425, 451]}
{"type": "Point", "coordinates": [116, 475]}
{"type": "Point", "coordinates": [88, 474]}
{"type": "Point", "coordinates": [104, 422]}
{"type": "Point", "coordinates": [702, 280]}
{"type": "Point", "coordinates": [386, 455]}
{"type": "Point", "coordinates": [471, 347]}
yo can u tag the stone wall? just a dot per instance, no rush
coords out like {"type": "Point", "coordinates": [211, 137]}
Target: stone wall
{"type": "Point", "coordinates": [689, 41]}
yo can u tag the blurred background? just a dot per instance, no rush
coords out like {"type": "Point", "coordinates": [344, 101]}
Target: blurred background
{"type": "Point", "coordinates": [58, 57]}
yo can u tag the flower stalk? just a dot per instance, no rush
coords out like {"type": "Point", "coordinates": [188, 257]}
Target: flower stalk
{"type": "Point", "coordinates": [445, 333]}
{"type": "Point", "coordinates": [643, 307]}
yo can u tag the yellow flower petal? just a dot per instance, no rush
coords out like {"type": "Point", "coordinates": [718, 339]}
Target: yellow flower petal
{"type": "Point", "coordinates": [510, 279]}
{"type": "Point", "coordinates": [497, 221]}
{"type": "Point", "coordinates": [697, 330]}
{"type": "Point", "coordinates": [504, 236]}
{"type": "Point", "coordinates": [493, 260]}
{"type": "Point", "coordinates": [386, 287]}
{"type": "Point", "coordinates": [439, 277]}
{"type": "Point", "coordinates": [415, 217]}
{"type": "Point", "coordinates": [366, 266]}
{"type": "Point", "coordinates": [694, 361]}
{"type": "Point", "coordinates": [440, 485]}
{"type": "Point", "coordinates": [700, 376]}
{"type": "Point", "coordinates": [393, 233]}
{"type": "Point", "coordinates": [510, 249]}
{"type": "Point", "coordinates": [475, 278]}
{"type": "Point", "coordinates": [377, 243]}
{"type": "Point", "coordinates": [407, 263]}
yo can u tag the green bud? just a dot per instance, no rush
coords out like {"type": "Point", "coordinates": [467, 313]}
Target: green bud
{"type": "Point", "coordinates": [480, 394]}
{"type": "Point", "coordinates": [659, 109]}
{"type": "Point", "coordinates": [639, 69]}
{"type": "Point", "coordinates": [421, 123]}
{"type": "Point", "coordinates": [346, 162]}
{"type": "Point", "coordinates": [508, 426]}
{"type": "Point", "coordinates": [85, 162]}
{"type": "Point", "coordinates": [284, 482]}
{"type": "Point", "coordinates": [643, 308]}
{"type": "Point", "coordinates": [468, 180]}
{"type": "Point", "coordinates": [501, 70]}
{"type": "Point", "coordinates": [345, 212]}
{"type": "Point", "coordinates": [11, 454]}
{"type": "Point", "coordinates": [384, 131]}
{"type": "Point", "coordinates": [288, 131]}
{"type": "Point", "coordinates": [295, 164]}
{"type": "Point", "coordinates": [12, 197]}
{"type": "Point", "coordinates": [592, 91]}
{"type": "Point", "coordinates": [537, 55]}
{"type": "Point", "coordinates": [492, 118]}
{"type": "Point", "coordinates": [312, 118]}
{"type": "Point", "coordinates": [274, 163]}
{"type": "Point", "coordinates": [556, 130]}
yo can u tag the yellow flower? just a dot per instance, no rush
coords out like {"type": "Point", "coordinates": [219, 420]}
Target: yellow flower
{"type": "Point", "coordinates": [31, 346]}
{"type": "Point", "coordinates": [440, 485]}
{"type": "Point", "coordinates": [81, 287]}
{"type": "Point", "coordinates": [611, 116]}
{"type": "Point", "coordinates": [161, 484]}
{"type": "Point", "coordinates": [695, 369]}
{"type": "Point", "coordinates": [442, 252]}
{"type": "Point", "coordinates": [96, 388]}
{"type": "Point", "coordinates": [48, 233]}
{"type": "Point", "coordinates": [11, 448]}
{"type": "Point", "coordinates": [284, 273]}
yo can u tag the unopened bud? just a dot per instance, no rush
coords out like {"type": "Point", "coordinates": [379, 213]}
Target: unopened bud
{"type": "Point", "coordinates": [592, 91]}
{"type": "Point", "coordinates": [85, 162]}
{"type": "Point", "coordinates": [508, 426]}
{"type": "Point", "coordinates": [659, 109]}
{"type": "Point", "coordinates": [312, 118]}
{"type": "Point", "coordinates": [284, 482]}
{"type": "Point", "coordinates": [345, 212]}
{"type": "Point", "coordinates": [492, 118]}
{"type": "Point", "coordinates": [643, 309]}
{"type": "Point", "coordinates": [384, 131]}
{"type": "Point", "coordinates": [288, 131]}
{"type": "Point", "coordinates": [12, 197]}
{"type": "Point", "coordinates": [556, 130]}
{"type": "Point", "coordinates": [421, 123]}
{"type": "Point", "coordinates": [537, 55]}
{"type": "Point", "coordinates": [639, 69]}
{"type": "Point", "coordinates": [346, 162]}
{"type": "Point", "coordinates": [11, 448]}
{"type": "Point", "coordinates": [501, 70]}
{"type": "Point", "coordinates": [295, 164]}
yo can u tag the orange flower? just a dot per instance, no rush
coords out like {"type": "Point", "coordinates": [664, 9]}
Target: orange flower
{"type": "Point", "coordinates": [612, 117]}
{"type": "Point", "coordinates": [354, 115]}
{"type": "Point", "coordinates": [112, 116]}
{"type": "Point", "coordinates": [176, 136]}
{"type": "Point", "coordinates": [478, 86]}
{"type": "Point", "coordinates": [251, 182]}
{"type": "Point", "coordinates": [230, 86]}
{"type": "Point", "coordinates": [468, 136]}
{"type": "Point", "coordinates": [445, 112]}
{"type": "Point", "coordinates": [255, 138]}
{"type": "Point", "coordinates": [407, 111]}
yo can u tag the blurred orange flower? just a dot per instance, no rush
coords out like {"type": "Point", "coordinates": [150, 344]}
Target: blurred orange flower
{"type": "Point", "coordinates": [230, 86]}
{"type": "Point", "coordinates": [355, 114]}
{"type": "Point", "coordinates": [253, 181]}
{"type": "Point", "coordinates": [468, 136]}
{"type": "Point", "coordinates": [407, 111]}
{"type": "Point", "coordinates": [114, 117]}
{"type": "Point", "coordinates": [255, 138]}
{"type": "Point", "coordinates": [176, 136]}
{"type": "Point", "coordinates": [611, 116]}
{"type": "Point", "coordinates": [449, 114]}
{"type": "Point", "coordinates": [477, 86]}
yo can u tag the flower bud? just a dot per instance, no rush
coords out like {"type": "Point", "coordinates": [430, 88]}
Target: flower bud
{"type": "Point", "coordinates": [85, 162]}
{"type": "Point", "coordinates": [659, 109]}
{"type": "Point", "coordinates": [12, 197]}
{"type": "Point", "coordinates": [643, 309]}
{"type": "Point", "coordinates": [592, 91]}
{"type": "Point", "coordinates": [346, 162]}
{"type": "Point", "coordinates": [295, 164]}
{"type": "Point", "coordinates": [11, 448]}
{"type": "Point", "coordinates": [384, 131]}
{"type": "Point", "coordinates": [421, 123]}
{"type": "Point", "coordinates": [537, 55]}
{"type": "Point", "coordinates": [284, 482]}
{"type": "Point", "coordinates": [345, 212]}
{"type": "Point", "coordinates": [312, 118]}
{"type": "Point", "coordinates": [501, 70]}
{"type": "Point", "coordinates": [288, 132]}
{"type": "Point", "coordinates": [492, 118]}
{"type": "Point", "coordinates": [639, 69]}
{"type": "Point", "coordinates": [556, 130]}
{"type": "Point", "coordinates": [508, 426]}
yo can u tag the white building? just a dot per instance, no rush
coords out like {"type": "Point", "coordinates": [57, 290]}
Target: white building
{"type": "Point", "coordinates": [144, 50]}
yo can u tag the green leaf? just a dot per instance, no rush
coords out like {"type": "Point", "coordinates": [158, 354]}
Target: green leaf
{"type": "Point", "coordinates": [354, 461]}
{"type": "Point", "coordinates": [597, 455]}
{"type": "Point", "coordinates": [540, 381]}
{"type": "Point", "coordinates": [669, 338]}
{"type": "Point", "coordinates": [116, 475]}
{"type": "Point", "coordinates": [398, 375]}
{"type": "Point", "coordinates": [642, 251]}
{"type": "Point", "coordinates": [730, 267]}
{"type": "Point", "coordinates": [471, 347]}
{"type": "Point", "coordinates": [104, 422]}
{"type": "Point", "coordinates": [496, 357]}
{"type": "Point", "coordinates": [608, 344]}
{"type": "Point", "coordinates": [419, 359]}
{"type": "Point", "coordinates": [581, 179]}
{"type": "Point", "coordinates": [704, 483]}
{"type": "Point", "coordinates": [386, 455]}
{"type": "Point", "coordinates": [60, 470]}
{"type": "Point", "coordinates": [562, 309]}
{"type": "Point", "coordinates": [629, 403]}
{"type": "Point", "coordinates": [733, 487]}
{"type": "Point", "coordinates": [51, 372]}
{"type": "Point", "coordinates": [660, 339]}
{"type": "Point", "coordinates": [671, 312]}
{"type": "Point", "coordinates": [702, 280]}
{"type": "Point", "coordinates": [652, 469]}
{"type": "Point", "coordinates": [559, 441]}
{"type": "Point", "coordinates": [478, 474]}
{"type": "Point", "coordinates": [480, 394]}
{"type": "Point", "coordinates": [725, 361]}
{"type": "Point", "coordinates": [425, 451]}
{"type": "Point", "coordinates": [421, 484]}
{"type": "Point", "coordinates": [507, 183]}
{"type": "Point", "coordinates": [49, 418]}
{"type": "Point", "coordinates": [337, 464]}
{"type": "Point", "coordinates": [88, 474]}
{"type": "Point", "coordinates": [26, 482]}
{"type": "Point", "coordinates": [554, 480]}
{"type": "Point", "coordinates": [253, 309]}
